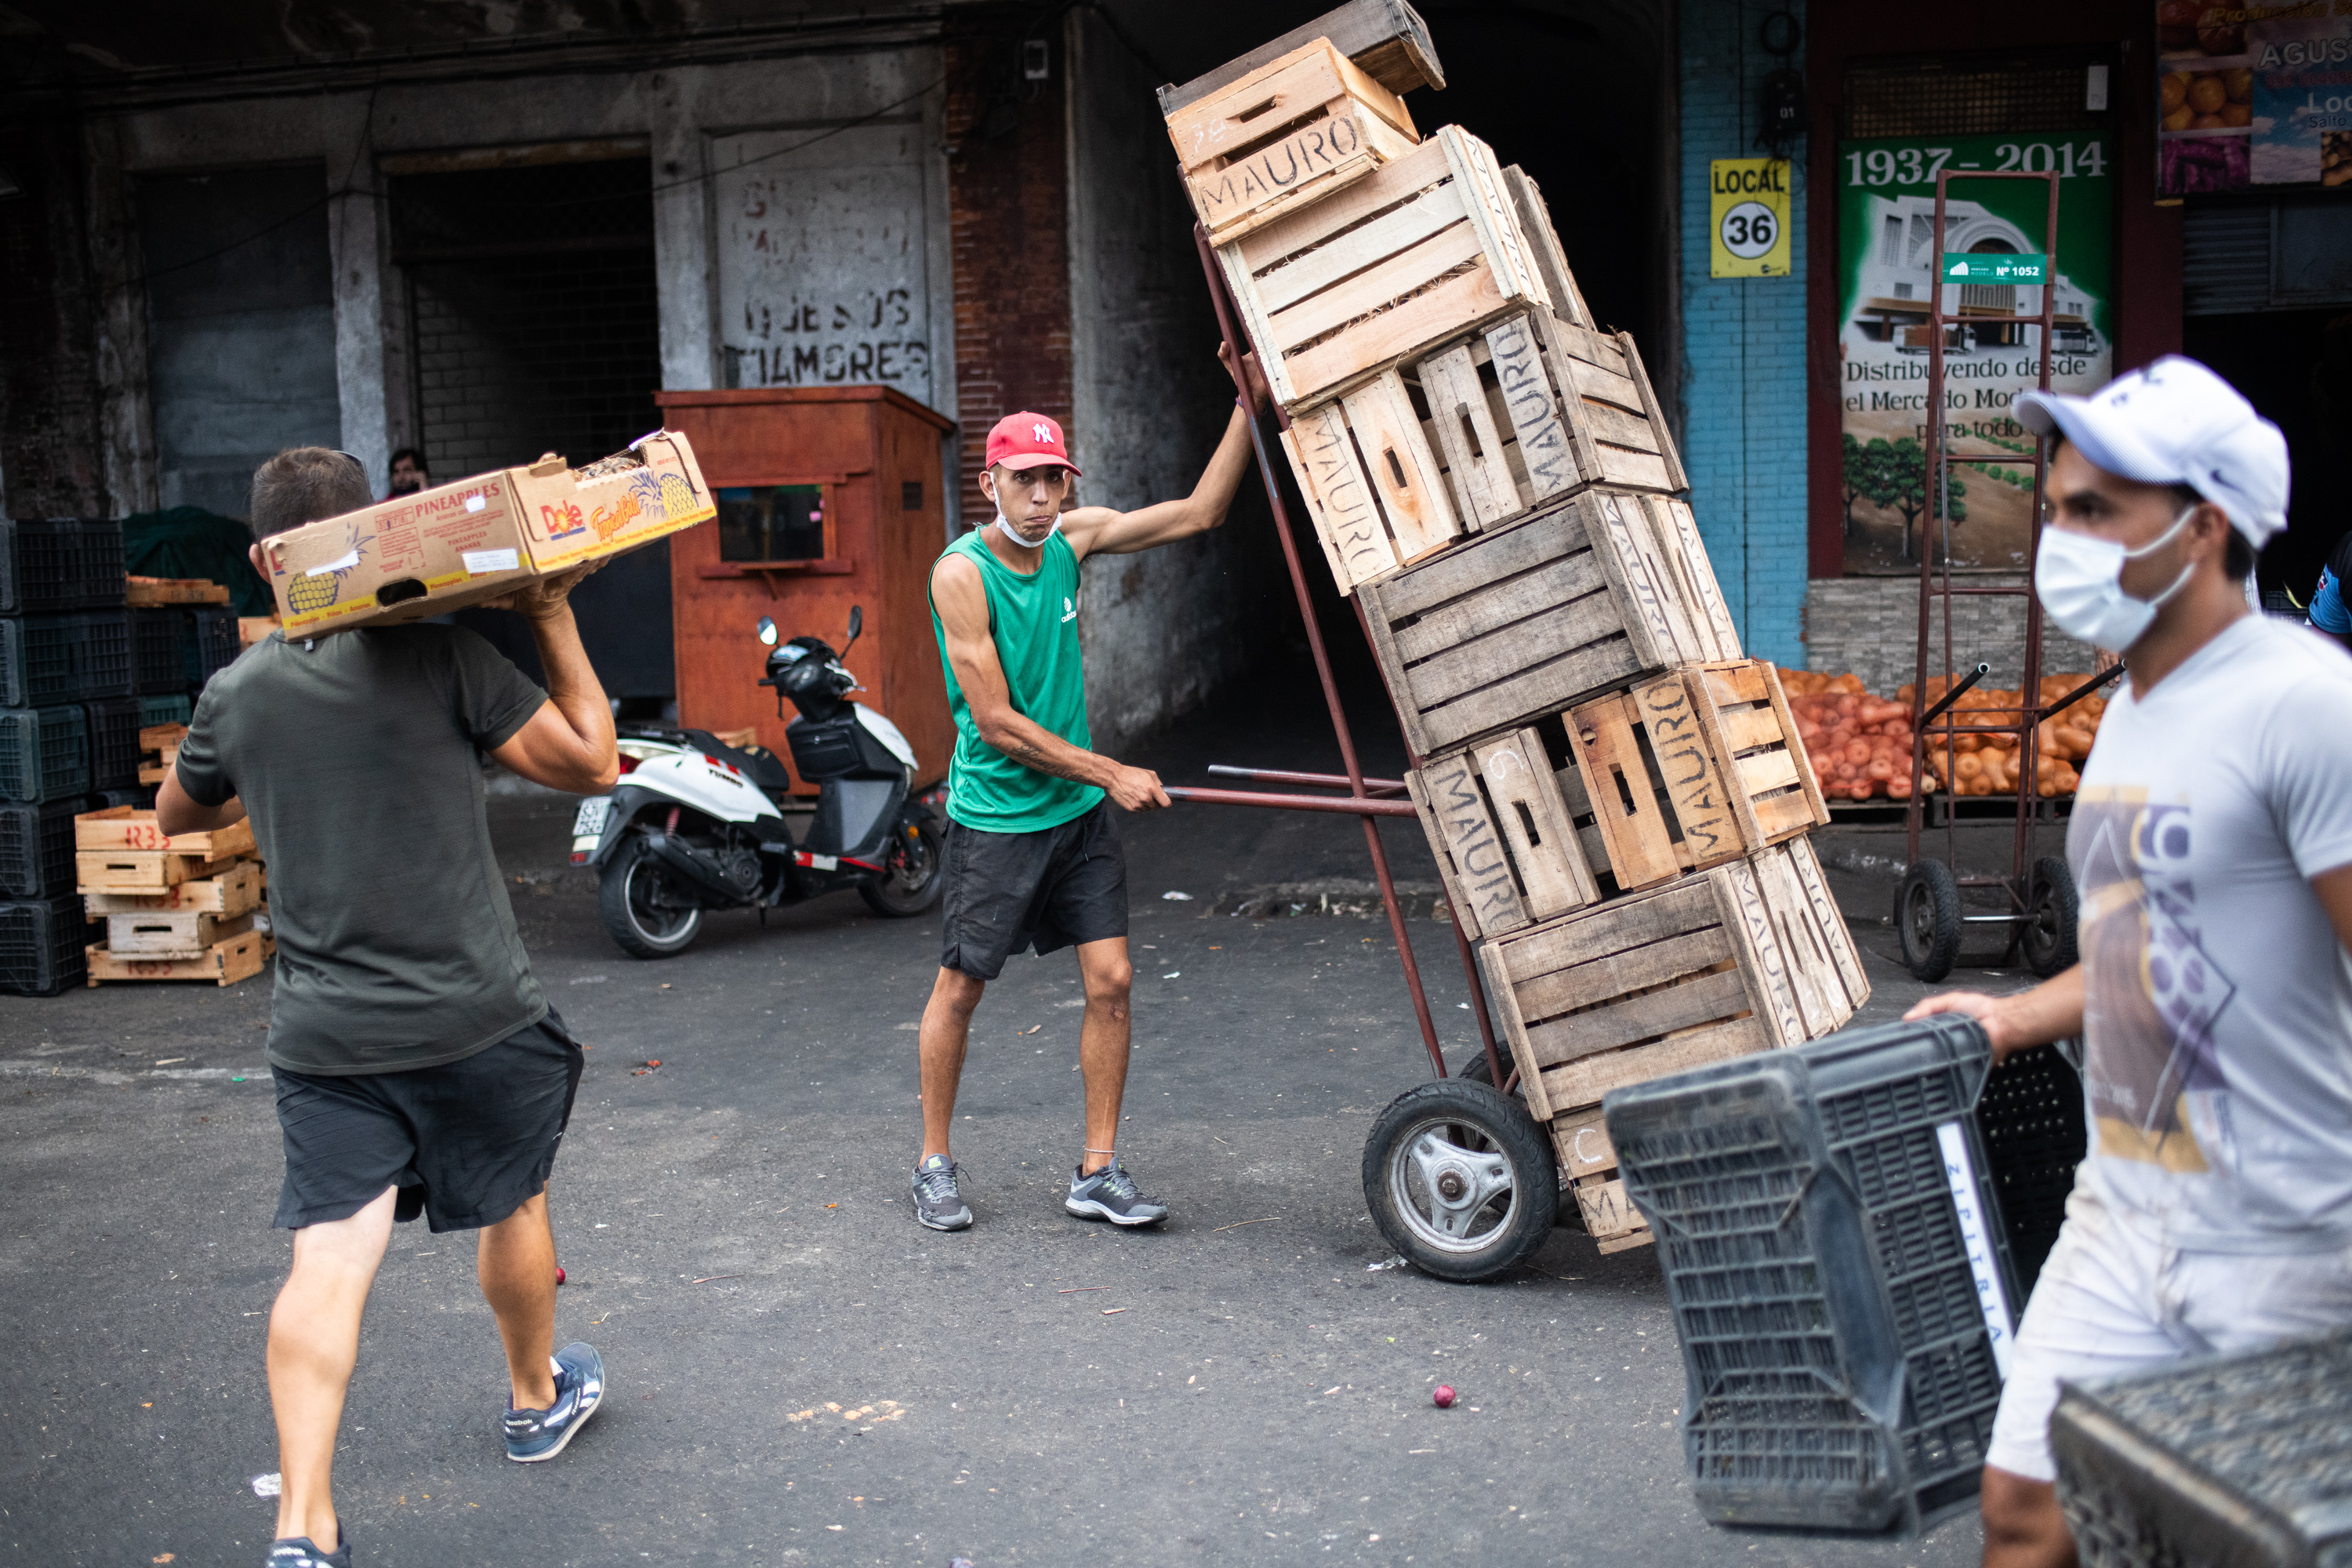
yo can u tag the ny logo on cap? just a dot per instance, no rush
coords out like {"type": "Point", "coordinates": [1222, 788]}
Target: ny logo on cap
{"type": "Point", "coordinates": [1042, 434]}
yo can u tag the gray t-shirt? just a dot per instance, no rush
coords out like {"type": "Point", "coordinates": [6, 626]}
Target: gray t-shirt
{"type": "Point", "coordinates": [355, 757]}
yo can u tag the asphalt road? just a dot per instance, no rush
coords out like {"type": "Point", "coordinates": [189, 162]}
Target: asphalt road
{"type": "Point", "coordinates": [798, 1372]}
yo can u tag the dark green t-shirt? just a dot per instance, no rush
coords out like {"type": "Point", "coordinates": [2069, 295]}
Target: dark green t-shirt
{"type": "Point", "coordinates": [356, 756]}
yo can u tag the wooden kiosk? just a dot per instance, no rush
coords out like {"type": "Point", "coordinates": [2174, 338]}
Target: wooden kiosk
{"type": "Point", "coordinates": [828, 496]}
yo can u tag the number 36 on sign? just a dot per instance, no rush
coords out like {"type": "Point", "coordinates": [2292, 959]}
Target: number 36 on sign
{"type": "Point", "coordinates": [1749, 202]}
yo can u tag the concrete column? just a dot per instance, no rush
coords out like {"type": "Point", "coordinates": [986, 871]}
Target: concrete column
{"type": "Point", "coordinates": [682, 258]}
{"type": "Point", "coordinates": [356, 225]}
{"type": "Point", "coordinates": [126, 419]}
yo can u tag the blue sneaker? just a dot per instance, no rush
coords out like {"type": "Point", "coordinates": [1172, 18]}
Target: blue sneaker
{"type": "Point", "coordinates": [535, 1434]}
{"type": "Point", "coordinates": [301, 1552]}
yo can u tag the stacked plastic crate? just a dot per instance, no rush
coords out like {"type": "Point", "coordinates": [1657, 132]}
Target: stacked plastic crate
{"type": "Point", "coordinates": [1616, 797]}
{"type": "Point", "coordinates": [64, 682]}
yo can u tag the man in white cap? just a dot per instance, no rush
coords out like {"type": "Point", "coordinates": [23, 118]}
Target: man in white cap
{"type": "Point", "coordinates": [2212, 843]}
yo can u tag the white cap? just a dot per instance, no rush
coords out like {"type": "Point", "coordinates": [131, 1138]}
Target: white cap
{"type": "Point", "coordinates": [2177, 423]}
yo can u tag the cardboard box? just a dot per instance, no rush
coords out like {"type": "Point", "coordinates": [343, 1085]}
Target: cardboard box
{"type": "Point", "coordinates": [416, 556]}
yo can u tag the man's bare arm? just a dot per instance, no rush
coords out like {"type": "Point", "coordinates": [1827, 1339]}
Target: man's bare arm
{"type": "Point", "coordinates": [176, 812]}
{"type": "Point", "coordinates": [2050, 1011]}
{"type": "Point", "coordinates": [963, 602]}
{"type": "Point", "coordinates": [569, 744]}
{"type": "Point", "coordinates": [1097, 530]}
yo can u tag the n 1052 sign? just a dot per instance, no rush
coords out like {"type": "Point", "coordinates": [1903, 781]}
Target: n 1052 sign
{"type": "Point", "coordinates": [1748, 202]}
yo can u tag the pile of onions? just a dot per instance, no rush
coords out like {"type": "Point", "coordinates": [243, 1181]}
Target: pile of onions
{"type": "Point", "coordinates": [1860, 745]}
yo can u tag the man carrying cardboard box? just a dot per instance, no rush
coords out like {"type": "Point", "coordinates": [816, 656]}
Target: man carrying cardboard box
{"type": "Point", "coordinates": [418, 1067]}
{"type": "Point", "coordinates": [1032, 857]}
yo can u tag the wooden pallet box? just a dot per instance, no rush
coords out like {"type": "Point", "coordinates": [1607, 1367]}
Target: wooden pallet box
{"type": "Point", "coordinates": [1290, 132]}
{"type": "Point", "coordinates": [1747, 956]}
{"type": "Point", "coordinates": [173, 933]}
{"type": "Point", "coordinates": [1700, 766]}
{"type": "Point", "coordinates": [128, 827]}
{"type": "Point", "coordinates": [1386, 38]}
{"type": "Point", "coordinates": [224, 962]}
{"type": "Point", "coordinates": [147, 871]}
{"type": "Point", "coordinates": [1422, 250]}
{"type": "Point", "coordinates": [1532, 618]}
{"type": "Point", "coordinates": [233, 892]}
{"type": "Point", "coordinates": [1478, 434]}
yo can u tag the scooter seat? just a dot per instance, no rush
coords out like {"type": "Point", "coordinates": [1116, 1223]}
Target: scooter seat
{"type": "Point", "coordinates": [761, 766]}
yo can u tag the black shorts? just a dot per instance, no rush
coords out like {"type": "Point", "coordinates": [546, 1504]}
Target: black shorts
{"type": "Point", "coordinates": [1052, 888]}
{"type": "Point", "coordinates": [467, 1142]}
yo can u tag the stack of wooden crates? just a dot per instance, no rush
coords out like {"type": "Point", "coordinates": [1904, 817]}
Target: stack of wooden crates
{"type": "Point", "coordinates": [189, 906]}
{"type": "Point", "coordinates": [1617, 798]}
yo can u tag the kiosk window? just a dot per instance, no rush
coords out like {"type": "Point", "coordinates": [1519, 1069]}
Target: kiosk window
{"type": "Point", "coordinates": [771, 522]}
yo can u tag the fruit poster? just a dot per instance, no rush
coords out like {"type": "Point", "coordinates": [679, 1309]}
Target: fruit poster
{"type": "Point", "coordinates": [1889, 265]}
{"type": "Point", "coordinates": [2252, 95]}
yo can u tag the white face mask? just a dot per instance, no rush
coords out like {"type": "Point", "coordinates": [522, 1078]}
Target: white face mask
{"type": "Point", "coordinates": [2080, 582]}
{"type": "Point", "coordinates": [1005, 529]}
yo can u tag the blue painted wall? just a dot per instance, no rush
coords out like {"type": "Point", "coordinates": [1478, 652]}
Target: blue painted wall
{"type": "Point", "coordinates": [1743, 343]}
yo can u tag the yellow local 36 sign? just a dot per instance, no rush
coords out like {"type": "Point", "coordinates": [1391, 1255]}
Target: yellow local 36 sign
{"type": "Point", "coordinates": [1749, 202]}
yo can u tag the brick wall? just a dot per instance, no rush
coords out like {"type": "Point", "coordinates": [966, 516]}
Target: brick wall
{"type": "Point", "coordinates": [49, 449]}
{"type": "Point", "coordinates": [1008, 212]}
{"type": "Point", "coordinates": [1743, 345]}
{"type": "Point", "coordinates": [1871, 625]}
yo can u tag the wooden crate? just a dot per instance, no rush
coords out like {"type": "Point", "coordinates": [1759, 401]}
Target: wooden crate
{"type": "Point", "coordinates": [161, 742]}
{"type": "Point", "coordinates": [148, 871]}
{"type": "Point", "coordinates": [1747, 956]}
{"type": "Point", "coordinates": [1502, 836]}
{"type": "Point", "coordinates": [1371, 482]}
{"type": "Point", "coordinates": [1290, 132]}
{"type": "Point", "coordinates": [1700, 766]}
{"type": "Point", "coordinates": [128, 827]}
{"type": "Point", "coordinates": [166, 934]}
{"type": "Point", "coordinates": [232, 893]}
{"type": "Point", "coordinates": [1420, 250]}
{"type": "Point", "coordinates": [1386, 38]}
{"type": "Point", "coordinates": [150, 593]}
{"type": "Point", "coordinates": [251, 629]}
{"type": "Point", "coordinates": [1481, 433]}
{"type": "Point", "coordinates": [1530, 619]}
{"type": "Point", "coordinates": [224, 962]}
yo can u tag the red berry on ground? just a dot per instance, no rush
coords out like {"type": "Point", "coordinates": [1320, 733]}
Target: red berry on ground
{"type": "Point", "coordinates": [559, 1274]}
{"type": "Point", "coordinates": [1443, 1397]}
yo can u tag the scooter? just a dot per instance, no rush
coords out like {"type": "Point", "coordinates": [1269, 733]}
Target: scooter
{"type": "Point", "coordinates": [694, 824]}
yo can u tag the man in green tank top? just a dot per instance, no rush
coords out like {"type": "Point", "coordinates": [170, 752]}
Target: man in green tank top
{"type": "Point", "coordinates": [1032, 857]}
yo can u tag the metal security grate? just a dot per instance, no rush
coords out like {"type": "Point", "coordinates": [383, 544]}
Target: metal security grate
{"type": "Point", "coordinates": [1937, 97]}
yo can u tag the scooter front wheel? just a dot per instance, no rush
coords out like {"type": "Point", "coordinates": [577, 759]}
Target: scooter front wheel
{"type": "Point", "coordinates": [646, 913]}
{"type": "Point", "coordinates": [912, 875]}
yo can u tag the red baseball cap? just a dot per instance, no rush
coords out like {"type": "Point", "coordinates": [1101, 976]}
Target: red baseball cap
{"type": "Point", "coordinates": [1028, 441]}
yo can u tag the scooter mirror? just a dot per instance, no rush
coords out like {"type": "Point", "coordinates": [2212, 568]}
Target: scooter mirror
{"type": "Point", "coordinates": [768, 631]}
{"type": "Point", "coordinates": [856, 621]}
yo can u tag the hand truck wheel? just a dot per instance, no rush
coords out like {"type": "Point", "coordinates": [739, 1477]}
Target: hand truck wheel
{"type": "Point", "coordinates": [2052, 907]}
{"type": "Point", "coordinates": [1927, 919]}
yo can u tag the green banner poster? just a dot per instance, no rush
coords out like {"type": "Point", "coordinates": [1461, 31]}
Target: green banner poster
{"type": "Point", "coordinates": [1888, 263]}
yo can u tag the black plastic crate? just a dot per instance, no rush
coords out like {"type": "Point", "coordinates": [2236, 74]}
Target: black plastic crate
{"type": "Point", "coordinates": [2238, 1459]}
{"type": "Point", "coordinates": [40, 567]}
{"type": "Point", "coordinates": [1826, 1221]}
{"type": "Point", "coordinates": [37, 848]}
{"type": "Point", "coordinates": [158, 661]}
{"type": "Point", "coordinates": [211, 644]}
{"type": "Point", "coordinates": [100, 567]}
{"type": "Point", "coordinates": [174, 709]}
{"type": "Point", "coordinates": [102, 664]}
{"type": "Point", "coordinates": [44, 753]}
{"type": "Point", "coordinates": [39, 660]}
{"type": "Point", "coordinates": [41, 944]}
{"type": "Point", "coordinates": [2031, 1117]}
{"type": "Point", "coordinates": [140, 799]}
{"type": "Point", "coordinates": [114, 729]}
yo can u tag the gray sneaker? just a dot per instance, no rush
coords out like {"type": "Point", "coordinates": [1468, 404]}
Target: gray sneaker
{"type": "Point", "coordinates": [1111, 1194]}
{"type": "Point", "coordinates": [937, 1202]}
